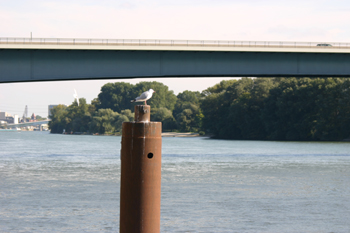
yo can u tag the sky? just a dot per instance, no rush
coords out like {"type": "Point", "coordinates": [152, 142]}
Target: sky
{"type": "Point", "coordinates": [248, 20]}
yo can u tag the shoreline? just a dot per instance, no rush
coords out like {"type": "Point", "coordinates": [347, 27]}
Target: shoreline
{"type": "Point", "coordinates": [165, 134]}
{"type": "Point", "coordinates": [174, 134]}
{"type": "Point", "coordinates": [177, 134]}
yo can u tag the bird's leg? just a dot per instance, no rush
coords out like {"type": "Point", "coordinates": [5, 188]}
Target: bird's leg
{"type": "Point", "coordinates": [145, 103]}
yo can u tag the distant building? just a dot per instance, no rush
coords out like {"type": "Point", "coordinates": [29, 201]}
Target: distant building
{"type": "Point", "coordinates": [3, 116]}
{"type": "Point", "coordinates": [16, 119]}
{"type": "Point", "coordinates": [10, 119]}
{"type": "Point", "coordinates": [33, 117]}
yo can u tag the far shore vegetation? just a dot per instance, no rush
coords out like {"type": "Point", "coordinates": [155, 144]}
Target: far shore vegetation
{"type": "Point", "coordinates": [293, 109]}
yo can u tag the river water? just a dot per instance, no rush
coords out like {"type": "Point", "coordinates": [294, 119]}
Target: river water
{"type": "Point", "coordinates": [71, 183]}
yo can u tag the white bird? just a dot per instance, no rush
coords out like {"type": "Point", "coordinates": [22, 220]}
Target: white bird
{"type": "Point", "coordinates": [144, 96]}
{"type": "Point", "coordinates": [76, 96]}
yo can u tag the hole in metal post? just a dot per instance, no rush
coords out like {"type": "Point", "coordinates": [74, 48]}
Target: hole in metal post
{"type": "Point", "coordinates": [150, 155]}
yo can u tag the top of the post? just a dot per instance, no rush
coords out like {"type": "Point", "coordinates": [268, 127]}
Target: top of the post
{"type": "Point", "coordinates": [142, 113]}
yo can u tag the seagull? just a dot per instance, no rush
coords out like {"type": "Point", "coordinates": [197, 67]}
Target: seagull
{"type": "Point", "coordinates": [144, 96]}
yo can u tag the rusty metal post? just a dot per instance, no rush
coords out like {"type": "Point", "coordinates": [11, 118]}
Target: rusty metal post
{"type": "Point", "coordinates": [140, 174]}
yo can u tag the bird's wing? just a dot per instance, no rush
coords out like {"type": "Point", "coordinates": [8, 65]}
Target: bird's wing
{"type": "Point", "coordinates": [144, 95]}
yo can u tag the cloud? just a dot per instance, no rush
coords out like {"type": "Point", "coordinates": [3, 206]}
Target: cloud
{"type": "Point", "coordinates": [127, 5]}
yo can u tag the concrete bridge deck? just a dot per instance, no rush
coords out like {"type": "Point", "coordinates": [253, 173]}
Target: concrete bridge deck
{"type": "Point", "coordinates": [174, 45]}
{"type": "Point", "coordinates": [29, 123]}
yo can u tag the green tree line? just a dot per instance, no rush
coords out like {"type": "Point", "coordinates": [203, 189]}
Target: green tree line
{"type": "Point", "coordinates": [301, 109]}
{"type": "Point", "coordinates": [248, 109]}
{"type": "Point", "coordinates": [112, 107]}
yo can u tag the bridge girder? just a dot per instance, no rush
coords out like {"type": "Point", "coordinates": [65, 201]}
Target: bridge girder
{"type": "Point", "coordinates": [23, 65]}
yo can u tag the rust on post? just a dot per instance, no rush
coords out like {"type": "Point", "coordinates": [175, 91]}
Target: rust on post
{"type": "Point", "coordinates": [142, 113]}
{"type": "Point", "coordinates": [140, 186]}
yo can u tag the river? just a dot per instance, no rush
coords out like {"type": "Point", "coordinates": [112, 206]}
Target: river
{"type": "Point", "coordinates": [70, 183]}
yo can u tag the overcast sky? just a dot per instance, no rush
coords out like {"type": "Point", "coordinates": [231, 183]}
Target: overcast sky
{"type": "Point", "coordinates": [251, 20]}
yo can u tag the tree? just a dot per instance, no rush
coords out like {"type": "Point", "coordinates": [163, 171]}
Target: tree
{"type": "Point", "coordinates": [308, 109]}
{"type": "Point", "coordinates": [39, 118]}
{"type": "Point", "coordinates": [218, 88]}
{"type": "Point", "coordinates": [115, 96]}
{"type": "Point", "coordinates": [216, 104]}
{"type": "Point", "coordinates": [186, 97]}
{"type": "Point", "coordinates": [95, 103]}
{"type": "Point", "coordinates": [78, 117]}
{"type": "Point", "coordinates": [244, 113]}
{"type": "Point", "coordinates": [232, 109]}
{"type": "Point", "coordinates": [58, 117]}
{"type": "Point", "coordinates": [214, 107]}
{"type": "Point", "coordinates": [332, 121]}
{"type": "Point", "coordinates": [125, 115]}
{"type": "Point", "coordinates": [81, 116]}
{"type": "Point", "coordinates": [165, 116]}
{"type": "Point", "coordinates": [103, 120]}
{"type": "Point", "coordinates": [190, 119]}
{"type": "Point", "coordinates": [162, 98]}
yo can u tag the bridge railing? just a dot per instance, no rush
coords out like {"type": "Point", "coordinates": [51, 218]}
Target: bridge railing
{"type": "Point", "coordinates": [192, 43]}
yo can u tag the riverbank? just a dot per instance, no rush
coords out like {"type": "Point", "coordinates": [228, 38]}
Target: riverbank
{"type": "Point", "coordinates": [173, 134]}
{"type": "Point", "coordinates": [166, 134]}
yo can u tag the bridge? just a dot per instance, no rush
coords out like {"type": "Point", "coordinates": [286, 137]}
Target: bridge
{"type": "Point", "coordinates": [34, 123]}
{"type": "Point", "coordinates": [45, 59]}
